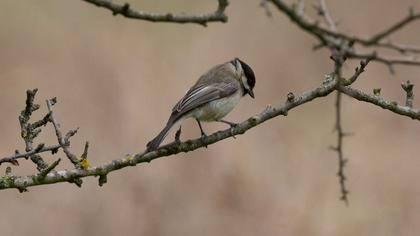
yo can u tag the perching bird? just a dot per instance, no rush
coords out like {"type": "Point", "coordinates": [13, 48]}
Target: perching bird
{"type": "Point", "coordinates": [212, 97]}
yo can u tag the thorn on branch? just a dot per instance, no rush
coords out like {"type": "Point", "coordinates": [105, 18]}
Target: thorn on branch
{"type": "Point", "coordinates": [84, 163]}
{"type": "Point", "coordinates": [22, 189]}
{"type": "Point", "coordinates": [77, 181]}
{"type": "Point", "coordinates": [290, 97]}
{"type": "Point", "coordinates": [85, 151]}
{"type": "Point", "coordinates": [102, 180]}
{"type": "Point", "coordinates": [47, 170]}
{"type": "Point", "coordinates": [377, 92]}
{"type": "Point", "coordinates": [125, 8]}
{"type": "Point", "coordinates": [70, 134]}
{"type": "Point", "coordinates": [39, 147]}
{"type": "Point", "coordinates": [408, 88]}
{"type": "Point", "coordinates": [53, 101]}
{"type": "Point", "coordinates": [43, 122]}
{"type": "Point", "coordinates": [54, 150]}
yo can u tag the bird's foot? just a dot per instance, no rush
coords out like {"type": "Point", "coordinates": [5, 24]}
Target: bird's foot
{"type": "Point", "coordinates": [232, 129]}
{"type": "Point", "coordinates": [177, 136]}
{"type": "Point", "coordinates": [203, 137]}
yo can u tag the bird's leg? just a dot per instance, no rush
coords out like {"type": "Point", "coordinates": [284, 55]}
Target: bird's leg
{"type": "Point", "coordinates": [232, 126]}
{"type": "Point", "coordinates": [203, 135]}
{"type": "Point", "coordinates": [178, 135]}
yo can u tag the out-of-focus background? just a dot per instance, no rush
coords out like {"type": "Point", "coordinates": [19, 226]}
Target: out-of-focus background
{"type": "Point", "coordinates": [117, 80]}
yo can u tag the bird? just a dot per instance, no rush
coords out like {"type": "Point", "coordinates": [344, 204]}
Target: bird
{"type": "Point", "coordinates": [211, 98]}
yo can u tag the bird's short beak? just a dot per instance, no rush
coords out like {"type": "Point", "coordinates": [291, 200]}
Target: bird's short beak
{"type": "Point", "coordinates": [251, 93]}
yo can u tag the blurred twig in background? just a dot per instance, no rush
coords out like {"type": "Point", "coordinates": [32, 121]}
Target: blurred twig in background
{"type": "Point", "coordinates": [129, 12]}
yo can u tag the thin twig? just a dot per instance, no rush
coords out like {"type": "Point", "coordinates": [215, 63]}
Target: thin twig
{"type": "Point", "coordinates": [63, 141]}
{"type": "Point", "coordinates": [392, 29]}
{"type": "Point", "coordinates": [339, 56]}
{"type": "Point", "coordinates": [339, 149]}
{"type": "Point", "coordinates": [323, 11]}
{"type": "Point", "coordinates": [10, 159]}
{"type": "Point", "coordinates": [358, 71]}
{"type": "Point", "coordinates": [388, 61]}
{"type": "Point", "coordinates": [128, 11]}
{"type": "Point", "coordinates": [330, 37]}
{"type": "Point", "coordinates": [381, 102]}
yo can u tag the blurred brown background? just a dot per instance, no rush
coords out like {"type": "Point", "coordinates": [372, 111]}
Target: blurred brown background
{"type": "Point", "coordinates": [117, 80]}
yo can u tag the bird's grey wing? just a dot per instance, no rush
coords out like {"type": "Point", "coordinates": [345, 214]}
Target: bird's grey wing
{"type": "Point", "coordinates": [203, 94]}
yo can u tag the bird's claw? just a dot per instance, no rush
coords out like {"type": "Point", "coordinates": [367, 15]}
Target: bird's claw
{"type": "Point", "coordinates": [232, 128]}
{"type": "Point", "coordinates": [203, 137]}
{"type": "Point", "coordinates": [177, 136]}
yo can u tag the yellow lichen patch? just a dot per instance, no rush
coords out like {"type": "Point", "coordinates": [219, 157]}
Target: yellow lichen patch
{"type": "Point", "coordinates": [84, 163]}
{"type": "Point", "coordinates": [128, 159]}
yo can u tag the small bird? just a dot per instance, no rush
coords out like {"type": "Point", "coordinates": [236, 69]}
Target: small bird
{"type": "Point", "coordinates": [211, 98]}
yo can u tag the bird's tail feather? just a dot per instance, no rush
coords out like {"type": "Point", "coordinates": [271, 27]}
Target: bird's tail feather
{"type": "Point", "coordinates": [154, 143]}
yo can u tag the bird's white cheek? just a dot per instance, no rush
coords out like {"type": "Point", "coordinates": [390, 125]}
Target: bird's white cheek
{"type": "Point", "coordinates": [245, 82]}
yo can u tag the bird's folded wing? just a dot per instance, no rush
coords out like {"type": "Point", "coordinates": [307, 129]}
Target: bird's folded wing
{"type": "Point", "coordinates": [203, 94]}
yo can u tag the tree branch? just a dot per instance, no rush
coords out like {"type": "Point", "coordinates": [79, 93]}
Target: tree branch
{"type": "Point", "coordinates": [379, 101]}
{"type": "Point", "coordinates": [22, 182]}
{"type": "Point", "coordinates": [339, 56]}
{"type": "Point", "coordinates": [332, 38]}
{"type": "Point", "coordinates": [40, 149]}
{"type": "Point", "coordinates": [63, 141]}
{"type": "Point", "coordinates": [30, 131]}
{"type": "Point", "coordinates": [339, 149]}
{"type": "Point", "coordinates": [129, 12]}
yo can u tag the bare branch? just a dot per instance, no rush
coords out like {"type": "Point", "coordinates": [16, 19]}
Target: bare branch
{"type": "Point", "coordinates": [379, 101]}
{"type": "Point", "coordinates": [330, 37]}
{"type": "Point", "coordinates": [392, 29]}
{"type": "Point", "coordinates": [11, 159]}
{"type": "Point", "coordinates": [30, 131]}
{"type": "Point", "coordinates": [403, 49]}
{"type": "Point", "coordinates": [75, 175]}
{"type": "Point", "coordinates": [388, 61]}
{"type": "Point", "coordinates": [339, 149]}
{"type": "Point", "coordinates": [323, 11]}
{"type": "Point", "coordinates": [47, 170]}
{"type": "Point", "coordinates": [358, 71]}
{"type": "Point", "coordinates": [129, 12]}
{"type": "Point", "coordinates": [63, 141]}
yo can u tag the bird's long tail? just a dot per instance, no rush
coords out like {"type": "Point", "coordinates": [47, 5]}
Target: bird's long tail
{"type": "Point", "coordinates": [154, 143]}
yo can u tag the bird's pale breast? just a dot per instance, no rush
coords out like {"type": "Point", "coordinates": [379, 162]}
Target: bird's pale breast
{"type": "Point", "coordinates": [216, 110]}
